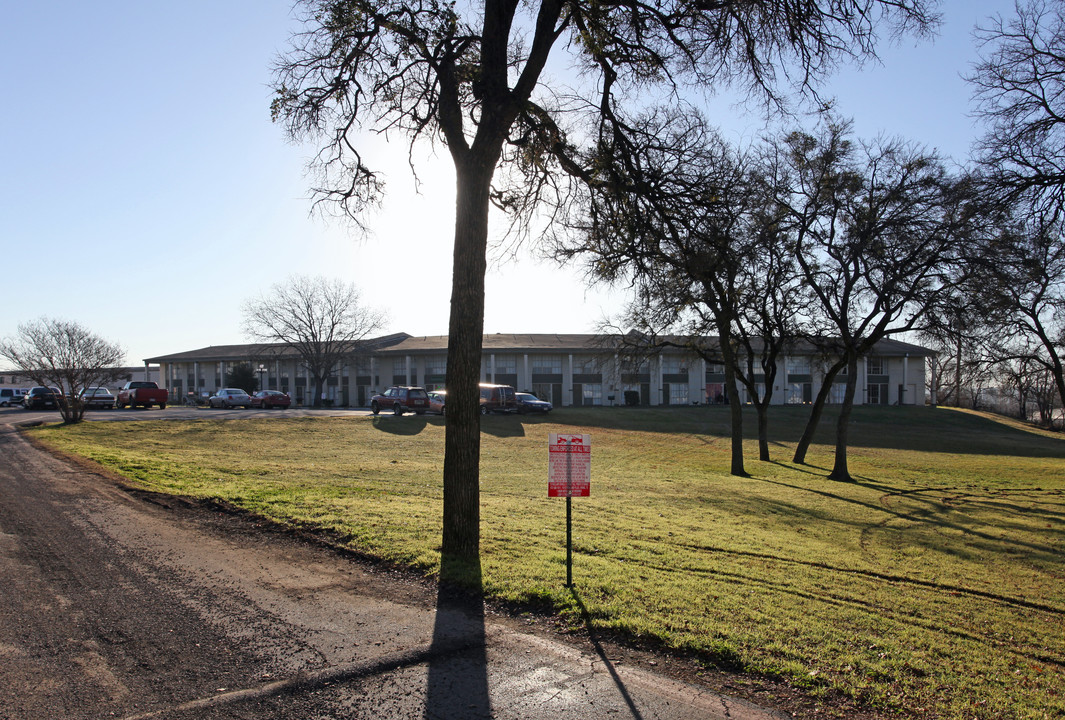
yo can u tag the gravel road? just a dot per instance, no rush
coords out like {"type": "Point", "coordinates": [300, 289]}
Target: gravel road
{"type": "Point", "coordinates": [117, 603]}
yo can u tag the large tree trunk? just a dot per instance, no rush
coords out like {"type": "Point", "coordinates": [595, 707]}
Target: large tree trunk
{"type": "Point", "coordinates": [763, 429]}
{"type": "Point", "coordinates": [815, 414]}
{"type": "Point", "coordinates": [839, 467]}
{"type": "Point", "coordinates": [462, 437]}
{"type": "Point", "coordinates": [319, 388]}
{"type": "Point", "coordinates": [735, 408]}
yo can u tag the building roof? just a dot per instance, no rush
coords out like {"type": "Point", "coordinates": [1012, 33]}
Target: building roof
{"type": "Point", "coordinates": [264, 351]}
{"type": "Point", "coordinates": [404, 344]}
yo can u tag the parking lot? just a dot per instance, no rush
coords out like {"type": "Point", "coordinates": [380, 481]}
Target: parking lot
{"type": "Point", "coordinates": [175, 412]}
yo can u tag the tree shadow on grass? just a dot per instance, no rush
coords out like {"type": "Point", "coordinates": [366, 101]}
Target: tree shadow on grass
{"type": "Point", "coordinates": [458, 666]}
{"type": "Point", "coordinates": [930, 507]}
{"type": "Point", "coordinates": [916, 428]}
{"type": "Point", "coordinates": [402, 425]}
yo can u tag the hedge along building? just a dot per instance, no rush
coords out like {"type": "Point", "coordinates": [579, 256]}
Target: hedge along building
{"type": "Point", "coordinates": [564, 369]}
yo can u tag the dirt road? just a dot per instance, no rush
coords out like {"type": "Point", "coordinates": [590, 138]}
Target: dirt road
{"type": "Point", "coordinates": [121, 604]}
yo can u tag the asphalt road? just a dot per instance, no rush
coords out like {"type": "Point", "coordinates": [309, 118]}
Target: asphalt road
{"type": "Point", "coordinates": [175, 412]}
{"type": "Point", "coordinates": [120, 604]}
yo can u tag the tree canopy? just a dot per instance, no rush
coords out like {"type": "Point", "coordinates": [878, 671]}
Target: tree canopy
{"type": "Point", "coordinates": [473, 76]}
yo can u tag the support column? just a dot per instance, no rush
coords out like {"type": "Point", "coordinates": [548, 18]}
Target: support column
{"type": "Point", "coordinates": [567, 382]}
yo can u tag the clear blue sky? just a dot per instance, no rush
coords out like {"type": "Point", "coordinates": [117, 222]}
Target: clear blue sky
{"type": "Point", "coordinates": [145, 193]}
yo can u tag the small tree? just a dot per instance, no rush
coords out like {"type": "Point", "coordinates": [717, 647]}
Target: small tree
{"type": "Point", "coordinates": [62, 354]}
{"type": "Point", "coordinates": [322, 320]}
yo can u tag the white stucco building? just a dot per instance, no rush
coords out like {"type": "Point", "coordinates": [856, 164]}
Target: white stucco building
{"type": "Point", "coordinates": [564, 369]}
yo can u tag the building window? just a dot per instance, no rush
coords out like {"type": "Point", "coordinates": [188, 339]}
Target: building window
{"type": "Point", "coordinates": [546, 364]}
{"type": "Point", "coordinates": [759, 389]}
{"type": "Point", "coordinates": [837, 393]}
{"type": "Point", "coordinates": [875, 366]}
{"type": "Point", "coordinates": [436, 365]}
{"type": "Point", "coordinates": [675, 365]}
{"type": "Point", "coordinates": [592, 394]}
{"type": "Point", "coordinates": [678, 394]}
{"type": "Point", "coordinates": [799, 365]}
{"type": "Point", "coordinates": [586, 366]}
{"type": "Point", "coordinates": [505, 364]}
{"type": "Point", "coordinates": [799, 393]}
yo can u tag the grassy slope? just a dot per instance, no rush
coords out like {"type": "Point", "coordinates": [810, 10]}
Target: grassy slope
{"type": "Point", "coordinates": [933, 584]}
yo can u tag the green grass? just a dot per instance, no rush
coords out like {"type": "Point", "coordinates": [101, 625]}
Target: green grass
{"type": "Point", "coordinates": [934, 585]}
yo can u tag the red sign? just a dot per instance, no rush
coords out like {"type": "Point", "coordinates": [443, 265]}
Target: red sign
{"type": "Point", "coordinates": [569, 471]}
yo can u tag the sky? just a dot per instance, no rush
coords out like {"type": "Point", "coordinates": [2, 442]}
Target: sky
{"type": "Point", "coordinates": [146, 194]}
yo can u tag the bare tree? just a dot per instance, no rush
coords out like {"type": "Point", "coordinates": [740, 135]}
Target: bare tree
{"type": "Point", "coordinates": [1019, 92]}
{"type": "Point", "coordinates": [322, 320]}
{"type": "Point", "coordinates": [877, 229]}
{"type": "Point", "coordinates": [1019, 281]}
{"type": "Point", "coordinates": [687, 219]}
{"type": "Point", "coordinates": [65, 355]}
{"type": "Point", "coordinates": [470, 75]}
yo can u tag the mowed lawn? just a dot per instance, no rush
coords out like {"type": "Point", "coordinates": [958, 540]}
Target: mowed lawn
{"type": "Point", "coordinates": [934, 585]}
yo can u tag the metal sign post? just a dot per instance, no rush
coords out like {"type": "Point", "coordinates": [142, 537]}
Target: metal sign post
{"type": "Point", "coordinates": [569, 475]}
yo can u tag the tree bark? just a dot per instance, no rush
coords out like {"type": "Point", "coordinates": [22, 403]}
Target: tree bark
{"type": "Point", "coordinates": [839, 467]}
{"type": "Point", "coordinates": [763, 430]}
{"type": "Point", "coordinates": [462, 436]}
{"type": "Point", "coordinates": [735, 408]}
{"type": "Point", "coordinates": [815, 415]}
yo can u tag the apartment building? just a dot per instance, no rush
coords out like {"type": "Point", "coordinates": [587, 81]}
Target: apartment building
{"type": "Point", "coordinates": [565, 369]}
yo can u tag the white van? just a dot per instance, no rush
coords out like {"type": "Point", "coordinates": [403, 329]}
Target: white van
{"type": "Point", "coordinates": [10, 396]}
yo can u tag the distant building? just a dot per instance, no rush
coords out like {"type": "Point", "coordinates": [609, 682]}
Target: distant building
{"type": "Point", "coordinates": [14, 379]}
{"type": "Point", "coordinates": [563, 369]}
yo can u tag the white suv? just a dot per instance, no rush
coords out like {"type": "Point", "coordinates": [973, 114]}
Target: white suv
{"type": "Point", "coordinates": [10, 396]}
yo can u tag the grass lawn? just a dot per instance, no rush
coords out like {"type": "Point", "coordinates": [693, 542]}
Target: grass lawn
{"type": "Point", "coordinates": [933, 585]}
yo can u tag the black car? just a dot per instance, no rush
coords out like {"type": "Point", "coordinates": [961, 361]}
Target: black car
{"type": "Point", "coordinates": [528, 403]}
{"type": "Point", "coordinates": [40, 398]}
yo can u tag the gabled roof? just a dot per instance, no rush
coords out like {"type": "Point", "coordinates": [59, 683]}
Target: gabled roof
{"type": "Point", "coordinates": [506, 342]}
{"type": "Point", "coordinates": [264, 351]}
{"type": "Point", "coordinates": [404, 344]}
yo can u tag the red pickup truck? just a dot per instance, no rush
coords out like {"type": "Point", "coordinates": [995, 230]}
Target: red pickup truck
{"type": "Point", "coordinates": [143, 393]}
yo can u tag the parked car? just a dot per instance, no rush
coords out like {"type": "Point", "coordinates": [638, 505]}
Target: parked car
{"type": "Point", "coordinates": [401, 399]}
{"type": "Point", "coordinates": [141, 393]}
{"type": "Point", "coordinates": [267, 399]}
{"type": "Point", "coordinates": [39, 398]}
{"type": "Point", "coordinates": [10, 397]}
{"type": "Point", "coordinates": [529, 403]}
{"type": "Point", "coordinates": [98, 397]}
{"type": "Point", "coordinates": [497, 398]}
{"type": "Point", "coordinates": [437, 399]}
{"type": "Point", "coordinates": [230, 398]}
